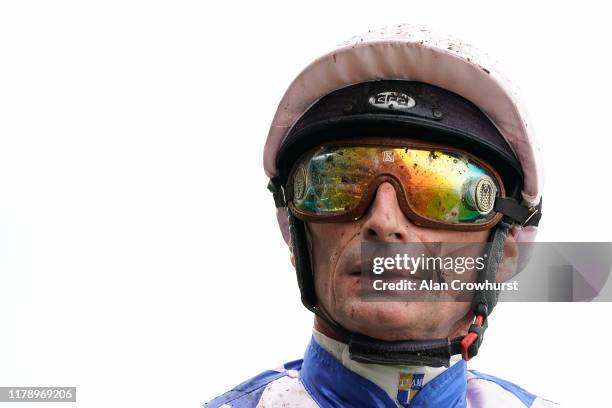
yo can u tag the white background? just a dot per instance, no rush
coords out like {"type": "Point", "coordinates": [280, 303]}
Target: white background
{"type": "Point", "coordinates": [139, 254]}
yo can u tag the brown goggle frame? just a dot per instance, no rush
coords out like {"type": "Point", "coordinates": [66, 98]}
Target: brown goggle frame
{"type": "Point", "coordinates": [370, 190]}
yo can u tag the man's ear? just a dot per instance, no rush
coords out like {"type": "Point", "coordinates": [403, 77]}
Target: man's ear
{"type": "Point", "coordinates": [509, 262]}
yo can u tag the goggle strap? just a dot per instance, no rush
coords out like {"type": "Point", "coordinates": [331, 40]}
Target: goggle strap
{"type": "Point", "coordinates": [524, 216]}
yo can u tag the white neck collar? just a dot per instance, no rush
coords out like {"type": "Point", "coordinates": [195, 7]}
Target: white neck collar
{"type": "Point", "coordinates": [386, 377]}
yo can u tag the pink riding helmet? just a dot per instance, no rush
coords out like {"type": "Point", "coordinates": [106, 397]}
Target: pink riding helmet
{"type": "Point", "coordinates": [414, 53]}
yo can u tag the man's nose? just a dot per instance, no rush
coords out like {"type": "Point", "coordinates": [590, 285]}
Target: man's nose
{"type": "Point", "coordinates": [384, 220]}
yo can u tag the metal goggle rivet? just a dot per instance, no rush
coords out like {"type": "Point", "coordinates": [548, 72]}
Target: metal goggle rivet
{"type": "Point", "coordinates": [480, 194]}
{"type": "Point", "coordinates": [299, 183]}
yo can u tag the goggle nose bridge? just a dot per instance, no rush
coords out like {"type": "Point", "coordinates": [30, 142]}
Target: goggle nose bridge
{"type": "Point", "coordinates": [371, 190]}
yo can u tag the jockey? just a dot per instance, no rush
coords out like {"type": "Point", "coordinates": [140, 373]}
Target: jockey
{"type": "Point", "coordinates": [401, 135]}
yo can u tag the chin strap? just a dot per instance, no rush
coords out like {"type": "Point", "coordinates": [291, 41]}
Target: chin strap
{"type": "Point", "coordinates": [434, 353]}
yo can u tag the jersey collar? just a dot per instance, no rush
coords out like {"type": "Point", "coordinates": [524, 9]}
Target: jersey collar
{"type": "Point", "coordinates": [332, 385]}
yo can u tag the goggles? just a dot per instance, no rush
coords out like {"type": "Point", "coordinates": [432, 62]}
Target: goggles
{"type": "Point", "coordinates": [436, 187]}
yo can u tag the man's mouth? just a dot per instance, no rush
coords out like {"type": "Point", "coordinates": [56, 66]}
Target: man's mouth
{"type": "Point", "coordinates": [391, 274]}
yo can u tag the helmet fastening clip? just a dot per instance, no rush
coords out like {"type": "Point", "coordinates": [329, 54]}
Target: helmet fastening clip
{"type": "Point", "coordinates": [471, 342]}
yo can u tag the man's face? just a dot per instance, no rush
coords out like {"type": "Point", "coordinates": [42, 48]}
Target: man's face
{"type": "Point", "coordinates": [336, 257]}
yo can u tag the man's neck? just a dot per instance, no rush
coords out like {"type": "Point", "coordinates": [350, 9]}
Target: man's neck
{"type": "Point", "coordinates": [392, 379]}
{"type": "Point", "coordinates": [322, 327]}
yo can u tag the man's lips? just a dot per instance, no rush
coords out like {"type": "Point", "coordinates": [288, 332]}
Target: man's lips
{"type": "Point", "coordinates": [392, 274]}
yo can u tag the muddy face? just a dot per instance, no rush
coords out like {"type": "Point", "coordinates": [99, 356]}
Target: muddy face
{"type": "Point", "coordinates": [336, 260]}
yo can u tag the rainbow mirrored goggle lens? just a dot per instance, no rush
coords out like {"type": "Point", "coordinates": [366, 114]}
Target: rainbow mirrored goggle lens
{"type": "Point", "coordinates": [436, 188]}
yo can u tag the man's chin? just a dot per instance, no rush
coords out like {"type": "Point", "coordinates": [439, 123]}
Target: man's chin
{"type": "Point", "coordinates": [393, 321]}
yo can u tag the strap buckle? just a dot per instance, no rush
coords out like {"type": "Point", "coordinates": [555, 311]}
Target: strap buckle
{"type": "Point", "coordinates": [471, 342]}
{"type": "Point", "coordinates": [532, 213]}
{"type": "Point", "coordinates": [520, 214]}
